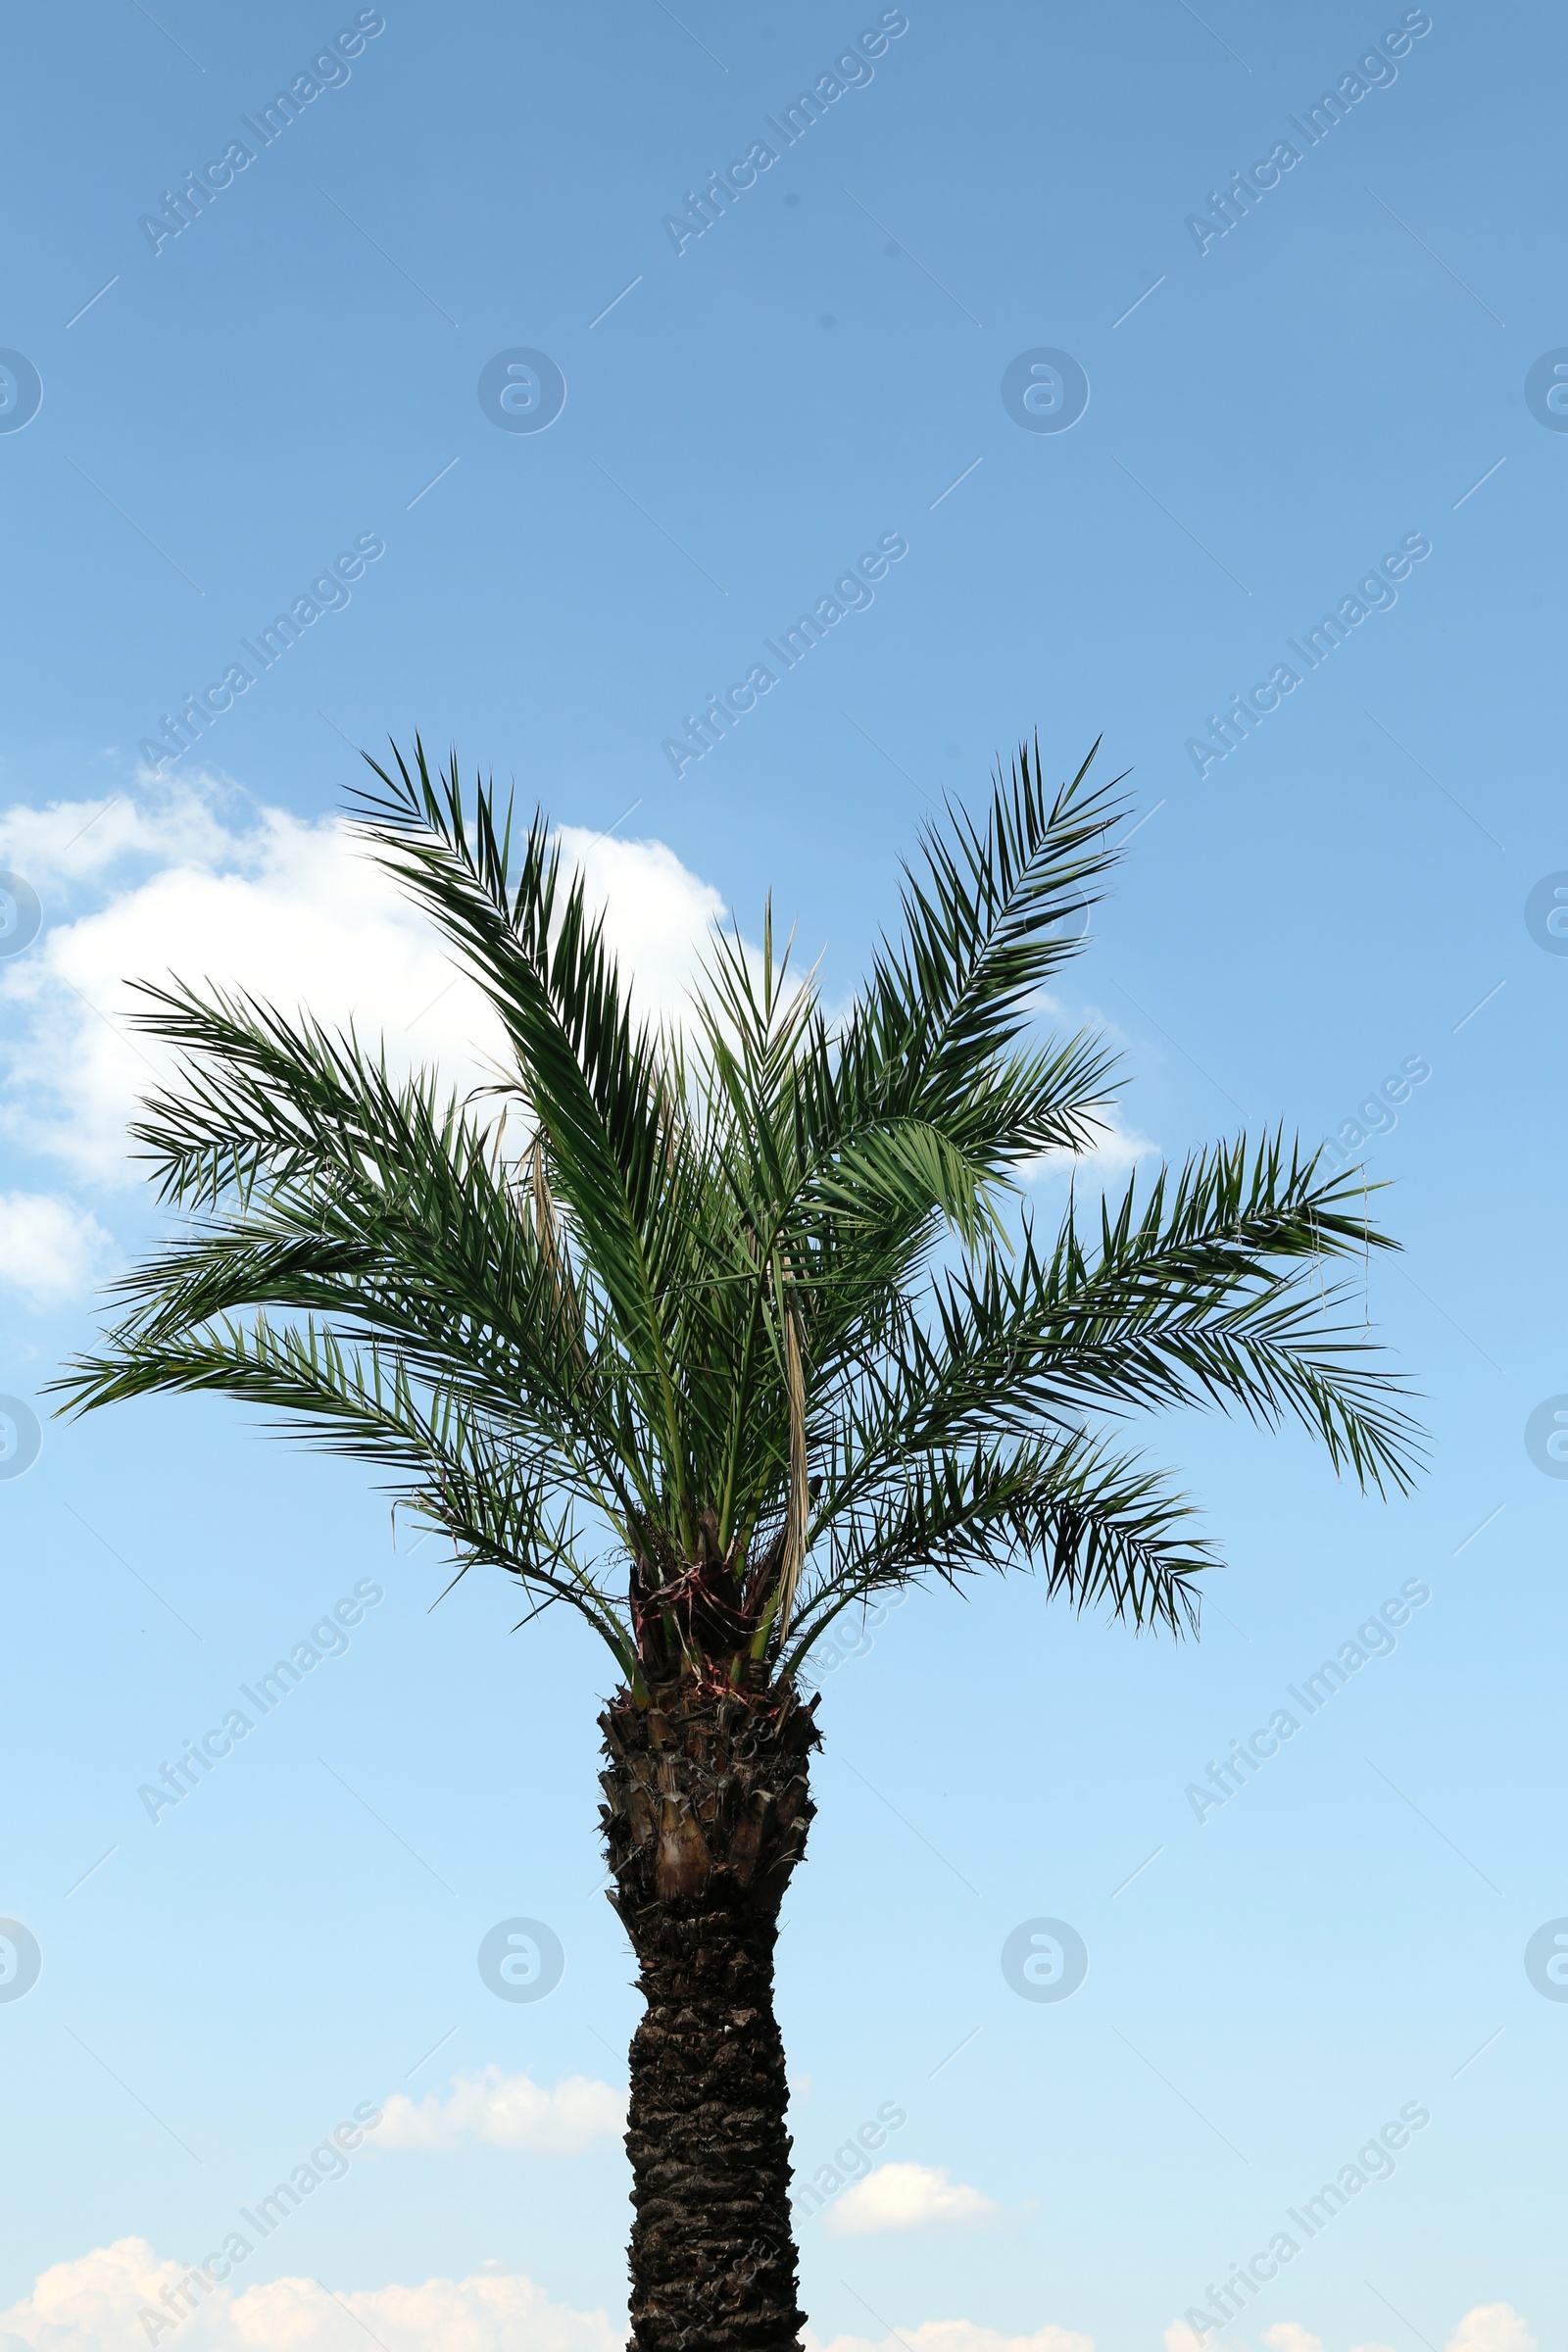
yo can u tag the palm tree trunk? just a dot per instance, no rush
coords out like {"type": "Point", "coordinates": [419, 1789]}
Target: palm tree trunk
{"type": "Point", "coordinates": [706, 1817]}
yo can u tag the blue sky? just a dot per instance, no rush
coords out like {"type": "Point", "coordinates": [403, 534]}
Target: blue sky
{"type": "Point", "coordinates": [1337, 380]}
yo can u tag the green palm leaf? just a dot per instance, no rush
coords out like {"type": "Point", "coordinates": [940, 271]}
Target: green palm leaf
{"type": "Point", "coordinates": [711, 1335]}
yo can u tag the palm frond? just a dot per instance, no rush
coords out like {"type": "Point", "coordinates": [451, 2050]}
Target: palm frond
{"type": "Point", "coordinates": [1101, 1528]}
{"type": "Point", "coordinates": [747, 1324]}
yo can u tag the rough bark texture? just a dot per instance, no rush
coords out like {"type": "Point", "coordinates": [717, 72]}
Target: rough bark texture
{"type": "Point", "coordinates": [706, 1816]}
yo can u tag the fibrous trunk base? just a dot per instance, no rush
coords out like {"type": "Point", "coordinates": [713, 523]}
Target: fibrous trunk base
{"type": "Point", "coordinates": [706, 1816]}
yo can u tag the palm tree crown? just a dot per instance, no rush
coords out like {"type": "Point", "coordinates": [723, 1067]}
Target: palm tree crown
{"type": "Point", "coordinates": [709, 1333]}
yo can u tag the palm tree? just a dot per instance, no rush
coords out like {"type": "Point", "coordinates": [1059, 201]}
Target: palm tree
{"type": "Point", "coordinates": [726, 1331]}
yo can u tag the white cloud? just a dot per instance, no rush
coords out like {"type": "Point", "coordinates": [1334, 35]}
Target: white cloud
{"type": "Point", "coordinates": [49, 1247]}
{"type": "Point", "coordinates": [493, 2312]}
{"type": "Point", "coordinates": [1285, 2336]}
{"type": "Point", "coordinates": [281, 908]}
{"type": "Point", "coordinates": [957, 2336]}
{"type": "Point", "coordinates": [1115, 1156]}
{"type": "Point", "coordinates": [509, 2110]}
{"type": "Point", "coordinates": [184, 882]}
{"type": "Point", "coordinates": [94, 2305]}
{"type": "Point", "coordinates": [90, 2305]}
{"type": "Point", "coordinates": [905, 2196]}
{"type": "Point", "coordinates": [1491, 2328]}
{"type": "Point", "coordinates": [656, 914]}
{"type": "Point", "coordinates": [1121, 1145]}
{"type": "Point", "coordinates": [71, 842]}
{"type": "Point", "coordinates": [1488, 2328]}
